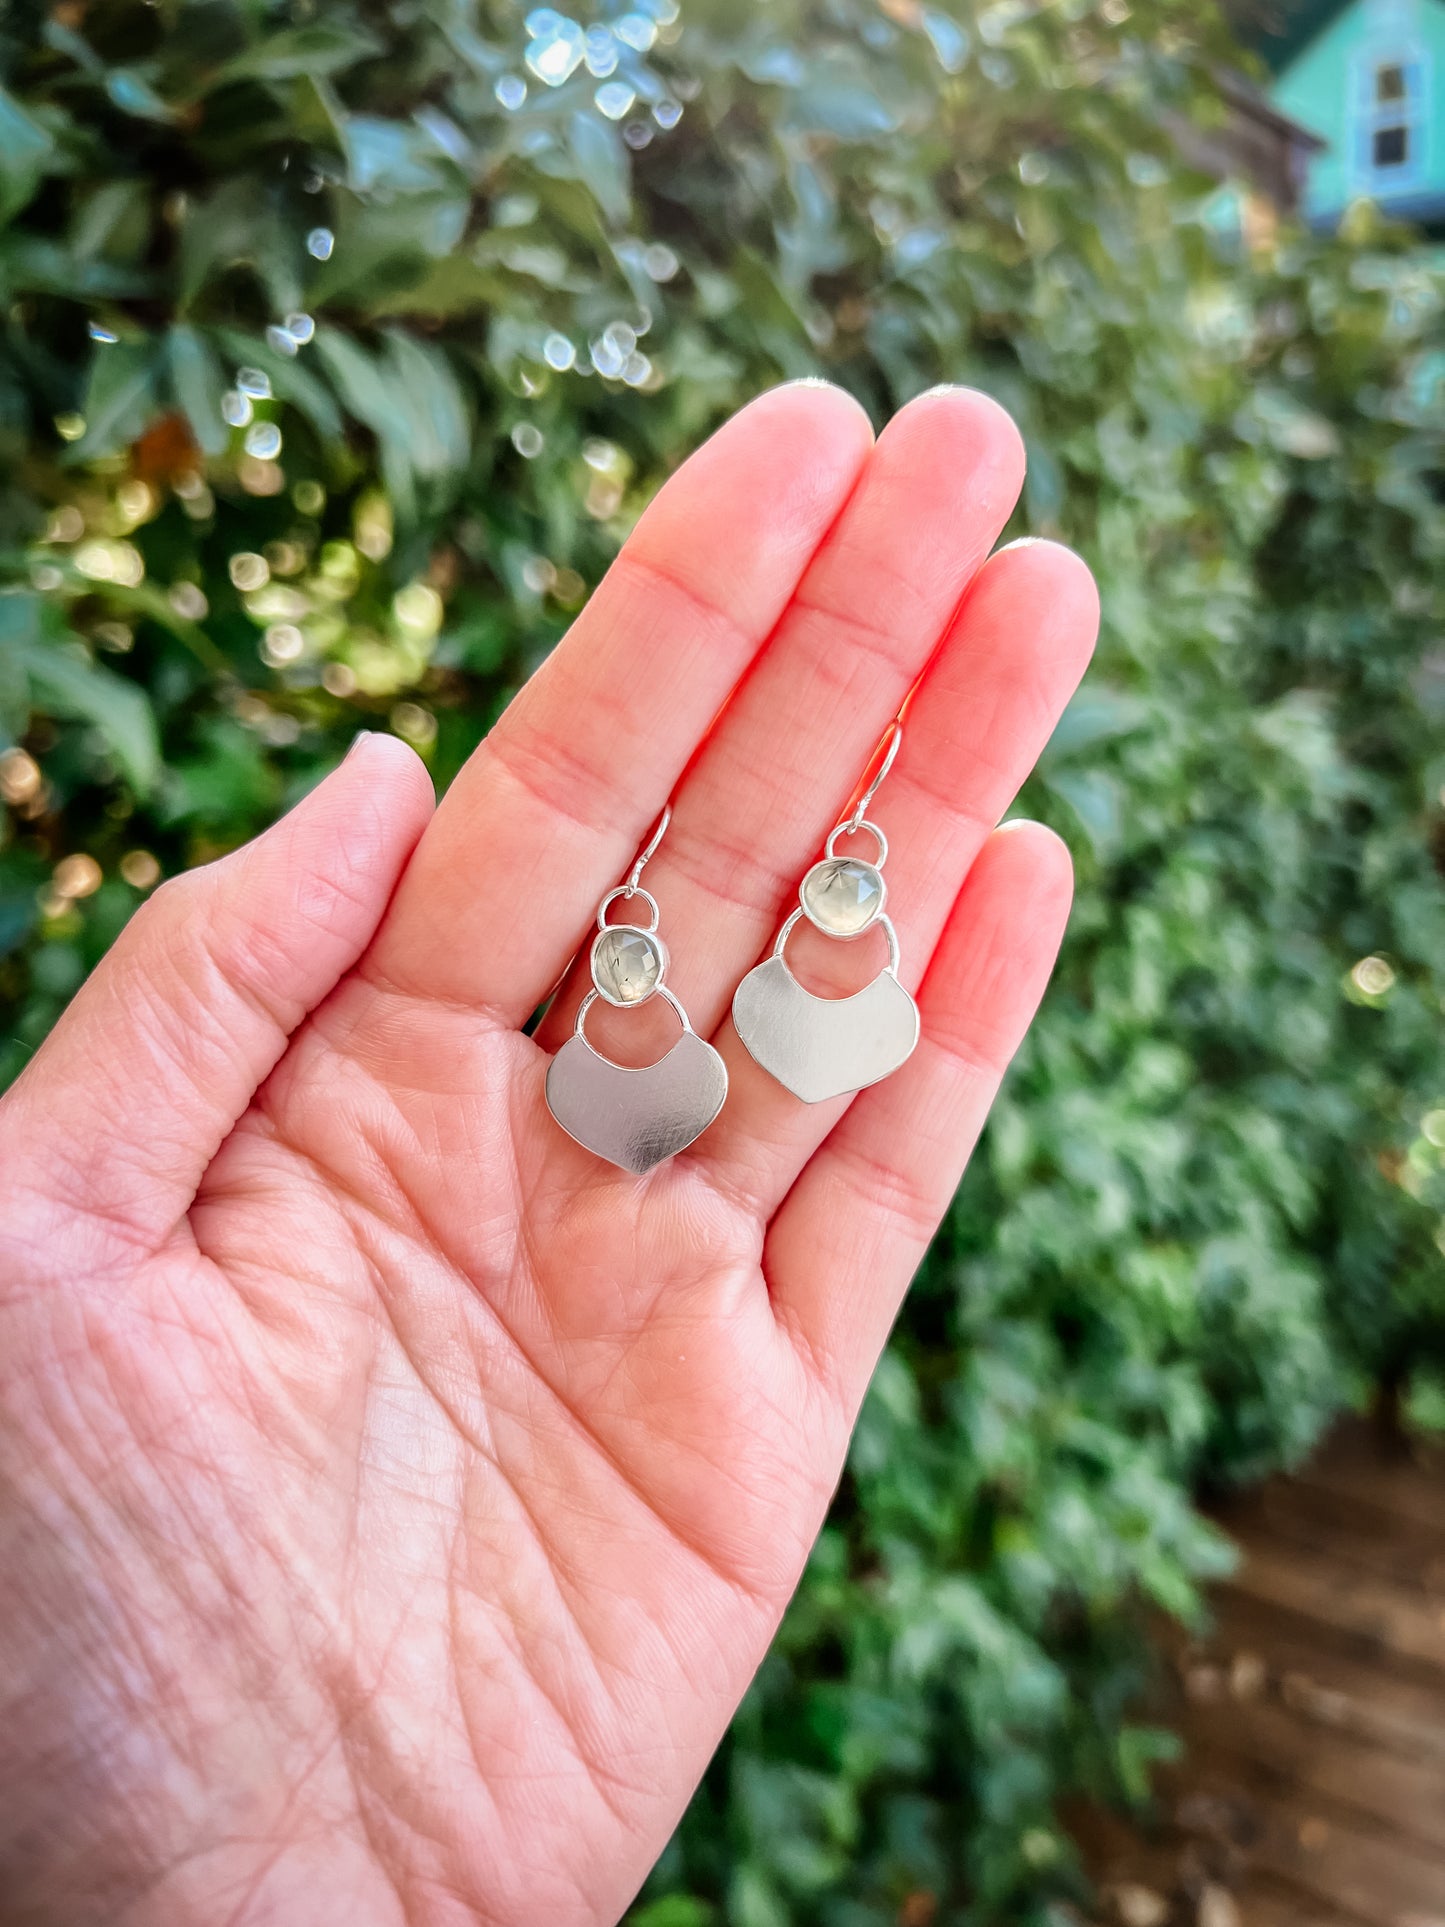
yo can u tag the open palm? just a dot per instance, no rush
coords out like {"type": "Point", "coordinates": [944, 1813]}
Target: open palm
{"type": "Point", "coordinates": [395, 1500]}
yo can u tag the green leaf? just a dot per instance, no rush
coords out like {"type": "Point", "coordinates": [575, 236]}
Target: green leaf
{"type": "Point", "coordinates": [19, 914]}
{"type": "Point", "coordinates": [601, 160]}
{"type": "Point", "coordinates": [25, 150]}
{"type": "Point", "coordinates": [69, 683]}
{"type": "Point", "coordinates": [33, 266]}
{"type": "Point", "coordinates": [775, 65]}
{"type": "Point", "coordinates": [115, 218]}
{"type": "Point", "coordinates": [133, 94]}
{"type": "Point", "coordinates": [837, 98]}
{"type": "Point", "coordinates": [392, 157]}
{"type": "Point", "coordinates": [20, 613]}
{"type": "Point", "coordinates": [949, 40]}
{"type": "Point", "coordinates": [120, 398]}
{"type": "Point", "coordinates": [199, 387]}
{"type": "Point", "coordinates": [1097, 714]}
{"type": "Point", "coordinates": [754, 1900]}
{"type": "Point", "coordinates": [371, 400]}
{"type": "Point", "coordinates": [673, 1910]}
{"type": "Point", "coordinates": [314, 50]}
{"type": "Point", "coordinates": [436, 410]}
{"type": "Point", "coordinates": [291, 380]}
{"type": "Point", "coordinates": [145, 599]}
{"type": "Point", "coordinates": [409, 399]}
{"type": "Point", "coordinates": [62, 680]}
{"type": "Point", "coordinates": [240, 223]}
{"type": "Point", "coordinates": [227, 782]}
{"type": "Point", "coordinates": [445, 289]}
{"type": "Point", "coordinates": [1095, 798]}
{"type": "Point", "coordinates": [382, 252]}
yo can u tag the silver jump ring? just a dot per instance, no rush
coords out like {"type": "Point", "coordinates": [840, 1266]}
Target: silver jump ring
{"type": "Point", "coordinates": [629, 891]}
{"type": "Point", "coordinates": [851, 828]}
{"type": "Point", "coordinates": [594, 996]}
{"type": "Point", "coordinates": [885, 924]}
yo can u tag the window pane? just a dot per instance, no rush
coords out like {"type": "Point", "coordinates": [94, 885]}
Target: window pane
{"type": "Point", "coordinates": [1392, 146]}
{"type": "Point", "coordinates": [1390, 83]}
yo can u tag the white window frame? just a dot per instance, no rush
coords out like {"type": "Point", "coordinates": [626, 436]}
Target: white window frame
{"type": "Point", "coordinates": [1369, 115]}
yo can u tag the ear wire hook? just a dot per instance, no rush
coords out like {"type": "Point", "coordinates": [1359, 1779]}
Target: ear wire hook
{"type": "Point", "coordinates": [888, 746]}
{"type": "Point", "coordinates": [635, 877]}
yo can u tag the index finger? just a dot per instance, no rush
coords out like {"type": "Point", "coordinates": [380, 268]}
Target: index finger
{"type": "Point", "coordinates": [553, 805]}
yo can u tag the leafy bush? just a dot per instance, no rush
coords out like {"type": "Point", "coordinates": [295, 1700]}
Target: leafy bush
{"type": "Point", "coordinates": [342, 343]}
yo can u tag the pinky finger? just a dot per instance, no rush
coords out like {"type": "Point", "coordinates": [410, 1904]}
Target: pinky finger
{"type": "Point", "coordinates": [848, 1238]}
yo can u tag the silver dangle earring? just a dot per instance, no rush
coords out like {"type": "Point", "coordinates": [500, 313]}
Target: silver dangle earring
{"type": "Point", "coordinates": [822, 1047]}
{"type": "Point", "coordinates": [634, 1118]}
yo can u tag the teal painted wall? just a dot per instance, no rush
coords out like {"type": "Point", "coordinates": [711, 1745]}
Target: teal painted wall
{"type": "Point", "coordinates": [1333, 88]}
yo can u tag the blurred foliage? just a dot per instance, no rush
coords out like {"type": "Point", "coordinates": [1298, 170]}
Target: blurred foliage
{"type": "Point", "coordinates": [342, 343]}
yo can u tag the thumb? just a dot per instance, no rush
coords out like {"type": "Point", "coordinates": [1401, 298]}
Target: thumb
{"type": "Point", "coordinates": [131, 1096]}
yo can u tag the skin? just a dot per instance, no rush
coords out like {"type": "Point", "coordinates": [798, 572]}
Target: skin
{"type": "Point", "coordinates": [395, 1501]}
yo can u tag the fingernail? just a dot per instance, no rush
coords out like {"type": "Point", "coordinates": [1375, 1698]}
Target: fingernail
{"type": "Point", "coordinates": [359, 738]}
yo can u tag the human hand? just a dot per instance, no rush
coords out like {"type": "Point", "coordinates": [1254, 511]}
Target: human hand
{"type": "Point", "coordinates": [395, 1500]}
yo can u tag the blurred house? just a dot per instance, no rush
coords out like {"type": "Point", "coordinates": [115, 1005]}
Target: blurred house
{"type": "Point", "coordinates": [1260, 157]}
{"type": "Point", "coordinates": [1365, 79]}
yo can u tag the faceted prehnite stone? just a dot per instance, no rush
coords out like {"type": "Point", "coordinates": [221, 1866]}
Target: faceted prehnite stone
{"type": "Point", "coordinates": [626, 965]}
{"type": "Point", "coordinates": [842, 895]}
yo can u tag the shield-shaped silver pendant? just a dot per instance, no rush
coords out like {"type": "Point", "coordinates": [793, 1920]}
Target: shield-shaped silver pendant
{"type": "Point", "coordinates": [822, 1047]}
{"type": "Point", "coordinates": [636, 1117]}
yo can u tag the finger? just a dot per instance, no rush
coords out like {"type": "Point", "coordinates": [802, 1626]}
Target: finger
{"type": "Point", "coordinates": [871, 609]}
{"type": "Point", "coordinates": [552, 807]}
{"type": "Point", "coordinates": [158, 1055]}
{"type": "Point", "coordinates": [974, 729]}
{"type": "Point", "coordinates": [848, 1239]}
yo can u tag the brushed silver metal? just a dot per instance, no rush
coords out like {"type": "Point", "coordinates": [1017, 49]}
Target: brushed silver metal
{"type": "Point", "coordinates": [825, 1047]}
{"type": "Point", "coordinates": [636, 1117]}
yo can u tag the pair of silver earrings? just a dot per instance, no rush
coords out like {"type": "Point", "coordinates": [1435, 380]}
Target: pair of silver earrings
{"type": "Point", "coordinates": [816, 1047]}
